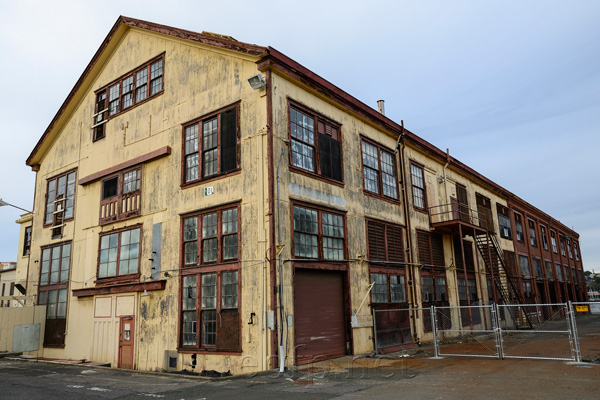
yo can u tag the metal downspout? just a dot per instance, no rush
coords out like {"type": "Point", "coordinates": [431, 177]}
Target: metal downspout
{"type": "Point", "coordinates": [281, 353]}
{"type": "Point", "coordinates": [412, 275]}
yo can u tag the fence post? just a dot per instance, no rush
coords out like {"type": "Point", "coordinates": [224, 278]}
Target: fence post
{"type": "Point", "coordinates": [573, 332]}
{"type": "Point", "coordinates": [375, 332]}
{"type": "Point", "coordinates": [498, 330]}
{"type": "Point", "coordinates": [436, 344]}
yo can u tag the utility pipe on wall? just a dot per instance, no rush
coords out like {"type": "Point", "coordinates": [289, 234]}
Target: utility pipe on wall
{"type": "Point", "coordinates": [281, 353]}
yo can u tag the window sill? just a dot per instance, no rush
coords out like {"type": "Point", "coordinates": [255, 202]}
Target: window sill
{"type": "Point", "coordinates": [185, 350]}
{"type": "Point", "coordinates": [203, 181]}
{"type": "Point", "coordinates": [381, 197]}
{"type": "Point", "coordinates": [123, 217]}
{"type": "Point", "coordinates": [123, 287]}
{"type": "Point", "coordinates": [314, 175]}
{"type": "Point", "coordinates": [54, 346]}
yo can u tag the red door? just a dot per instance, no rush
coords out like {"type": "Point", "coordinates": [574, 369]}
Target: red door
{"type": "Point", "coordinates": [319, 313]}
{"type": "Point", "coordinates": [126, 342]}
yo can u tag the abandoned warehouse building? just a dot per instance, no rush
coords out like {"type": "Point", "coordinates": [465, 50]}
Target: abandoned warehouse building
{"type": "Point", "coordinates": [204, 203]}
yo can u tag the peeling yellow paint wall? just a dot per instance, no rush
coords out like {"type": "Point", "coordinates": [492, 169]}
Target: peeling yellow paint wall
{"type": "Point", "coordinates": [198, 79]}
{"type": "Point", "coordinates": [349, 198]}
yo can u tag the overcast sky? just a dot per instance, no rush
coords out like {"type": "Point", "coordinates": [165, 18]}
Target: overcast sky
{"type": "Point", "coordinates": [512, 88]}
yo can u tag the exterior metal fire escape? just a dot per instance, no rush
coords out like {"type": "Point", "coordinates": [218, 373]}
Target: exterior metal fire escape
{"type": "Point", "coordinates": [457, 218]}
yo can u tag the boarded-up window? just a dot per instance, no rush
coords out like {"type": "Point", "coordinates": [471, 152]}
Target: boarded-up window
{"type": "Point", "coordinates": [431, 248]}
{"type": "Point", "coordinates": [384, 242]}
{"type": "Point", "coordinates": [468, 247]}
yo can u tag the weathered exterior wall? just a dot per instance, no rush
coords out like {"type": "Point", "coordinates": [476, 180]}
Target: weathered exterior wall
{"type": "Point", "coordinates": [198, 79]}
{"type": "Point", "coordinates": [12, 317]}
{"type": "Point", "coordinates": [348, 197]}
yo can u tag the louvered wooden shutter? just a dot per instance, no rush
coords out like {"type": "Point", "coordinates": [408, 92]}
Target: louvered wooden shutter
{"type": "Point", "coordinates": [437, 250]}
{"type": "Point", "coordinates": [395, 245]}
{"type": "Point", "coordinates": [376, 237]}
{"type": "Point", "coordinates": [424, 247]}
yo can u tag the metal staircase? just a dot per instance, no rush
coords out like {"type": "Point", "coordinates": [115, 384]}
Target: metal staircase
{"type": "Point", "coordinates": [503, 278]}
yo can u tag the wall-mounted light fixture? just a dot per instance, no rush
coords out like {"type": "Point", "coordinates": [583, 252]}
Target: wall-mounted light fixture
{"type": "Point", "coordinates": [257, 81]}
{"type": "Point", "coordinates": [441, 179]}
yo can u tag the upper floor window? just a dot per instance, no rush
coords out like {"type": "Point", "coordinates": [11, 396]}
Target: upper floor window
{"type": "Point", "coordinates": [55, 264]}
{"type": "Point", "coordinates": [60, 199]}
{"type": "Point", "coordinates": [127, 91]}
{"type": "Point", "coordinates": [316, 144]}
{"type": "Point", "coordinates": [211, 145]}
{"type": "Point", "coordinates": [211, 237]}
{"type": "Point", "coordinates": [524, 261]}
{"type": "Point", "coordinates": [558, 270]}
{"type": "Point", "coordinates": [119, 253]}
{"type": "Point", "coordinates": [384, 242]}
{"type": "Point", "coordinates": [418, 186]}
{"type": "Point", "coordinates": [121, 196]}
{"type": "Point", "coordinates": [318, 234]}
{"type": "Point", "coordinates": [569, 249]}
{"type": "Point", "coordinates": [430, 247]}
{"type": "Point", "coordinates": [504, 222]}
{"type": "Point", "coordinates": [544, 237]}
{"type": "Point", "coordinates": [27, 241]}
{"type": "Point", "coordinates": [575, 251]}
{"type": "Point", "coordinates": [553, 241]}
{"type": "Point", "coordinates": [537, 266]}
{"type": "Point", "coordinates": [562, 246]}
{"type": "Point", "coordinates": [532, 236]}
{"type": "Point", "coordinates": [519, 228]}
{"type": "Point", "coordinates": [379, 170]}
{"type": "Point", "coordinates": [549, 273]}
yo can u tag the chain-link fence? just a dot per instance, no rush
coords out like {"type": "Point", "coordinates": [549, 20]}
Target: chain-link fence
{"type": "Point", "coordinates": [473, 332]}
{"type": "Point", "coordinates": [562, 331]}
{"type": "Point", "coordinates": [536, 331]}
{"type": "Point", "coordinates": [587, 330]}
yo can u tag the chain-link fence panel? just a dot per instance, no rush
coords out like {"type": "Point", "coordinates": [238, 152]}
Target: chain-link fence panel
{"type": "Point", "coordinates": [467, 331]}
{"type": "Point", "coordinates": [536, 331]}
{"type": "Point", "coordinates": [392, 329]}
{"type": "Point", "coordinates": [587, 328]}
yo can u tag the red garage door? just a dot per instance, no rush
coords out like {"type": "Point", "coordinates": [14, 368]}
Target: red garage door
{"type": "Point", "coordinates": [319, 314]}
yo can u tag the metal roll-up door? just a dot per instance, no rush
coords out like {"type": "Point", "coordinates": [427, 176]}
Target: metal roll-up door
{"type": "Point", "coordinates": [319, 314]}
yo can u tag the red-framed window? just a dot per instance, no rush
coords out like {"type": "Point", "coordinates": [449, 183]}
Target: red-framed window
{"type": "Point", "coordinates": [211, 236]}
{"type": "Point", "coordinates": [210, 318]}
{"type": "Point", "coordinates": [60, 201]}
{"type": "Point", "coordinates": [316, 144]}
{"type": "Point", "coordinates": [211, 145]}
{"type": "Point", "coordinates": [121, 195]}
{"type": "Point", "coordinates": [119, 254]}
{"type": "Point", "coordinates": [388, 287]}
{"type": "Point", "coordinates": [379, 170]}
{"type": "Point", "coordinates": [137, 86]}
{"type": "Point", "coordinates": [318, 233]}
{"type": "Point", "coordinates": [417, 176]}
{"type": "Point", "coordinates": [53, 291]}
